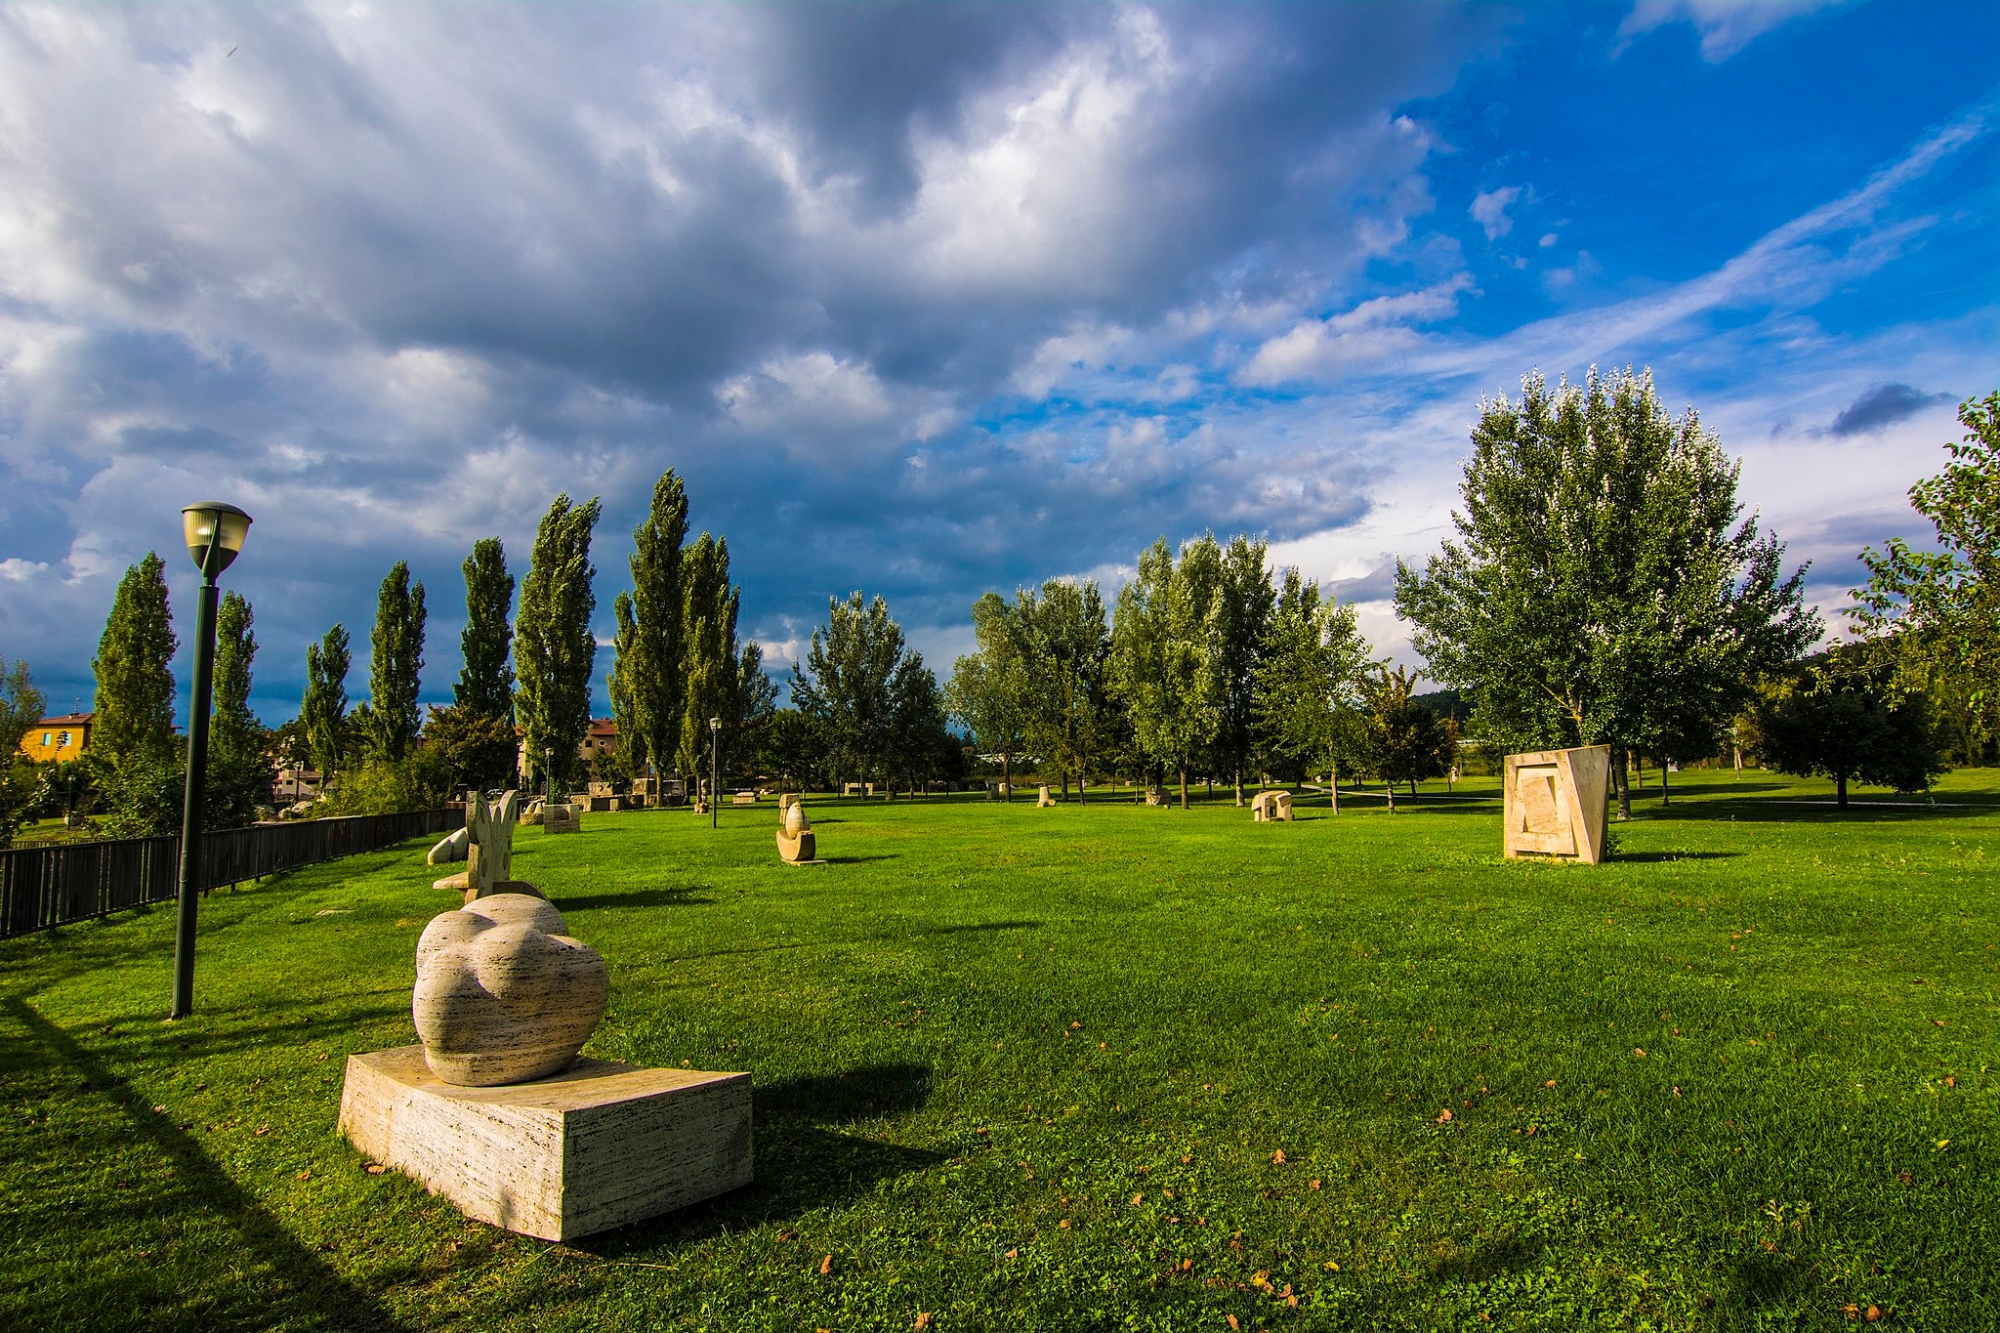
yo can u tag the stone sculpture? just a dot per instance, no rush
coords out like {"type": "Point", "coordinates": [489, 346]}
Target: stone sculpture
{"type": "Point", "coordinates": [561, 817]}
{"type": "Point", "coordinates": [1271, 807]}
{"type": "Point", "coordinates": [1554, 803]}
{"type": "Point", "coordinates": [795, 839]}
{"type": "Point", "coordinates": [504, 994]}
{"type": "Point", "coordinates": [786, 800]}
{"type": "Point", "coordinates": [1044, 801]}
{"type": "Point", "coordinates": [450, 848]}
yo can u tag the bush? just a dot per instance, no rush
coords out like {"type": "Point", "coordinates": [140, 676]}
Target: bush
{"type": "Point", "coordinates": [420, 780]}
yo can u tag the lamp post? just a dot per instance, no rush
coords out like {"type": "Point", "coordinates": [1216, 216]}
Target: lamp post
{"type": "Point", "coordinates": [215, 533]}
{"type": "Point", "coordinates": [714, 768]}
{"type": "Point", "coordinates": [548, 775]}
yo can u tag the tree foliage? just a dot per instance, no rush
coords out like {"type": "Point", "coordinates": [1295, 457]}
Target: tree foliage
{"type": "Point", "coordinates": [1065, 650]}
{"type": "Point", "coordinates": [1164, 651]}
{"type": "Point", "coordinates": [1935, 615]}
{"type": "Point", "coordinates": [1245, 602]}
{"type": "Point", "coordinates": [709, 605]}
{"type": "Point", "coordinates": [554, 648]}
{"type": "Point", "coordinates": [846, 686]}
{"type": "Point", "coordinates": [989, 689]}
{"type": "Point", "coordinates": [485, 686]}
{"type": "Point", "coordinates": [1308, 678]}
{"type": "Point", "coordinates": [1602, 589]}
{"type": "Point", "coordinates": [135, 687]}
{"type": "Point", "coordinates": [478, 750]}
{"type": "Point", "coordinates": [21, 707]}
{"type": "Point", "coordinates": [239, 765]}
{"type": "Point", "coordinates": [651, 666]}
{"type": "Point", "coordinates": [323, 708]}
{"type": "Point", "coordinates": [1398, 739]}
{"type": "Point", "coordinates": [1846, 722]}
{"type": "Point", "coordinates": [395, 664]}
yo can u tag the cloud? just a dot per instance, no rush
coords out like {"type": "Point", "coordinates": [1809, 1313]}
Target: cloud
{"type": "Point", "coordinates": [1883, 405]}
{"type": "Point", "coordinates": [1726, 26]}
{"type": "Point", "coordinates": [1489, 210]}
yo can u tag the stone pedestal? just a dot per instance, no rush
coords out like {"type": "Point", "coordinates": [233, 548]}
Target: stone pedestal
{"type": "Point", "coordinates": [598, 1146]}
{"type": "Point", "coordinates": [1554, 803]}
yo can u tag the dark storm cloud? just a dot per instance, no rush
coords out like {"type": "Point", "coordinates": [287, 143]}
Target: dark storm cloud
{"type": "Point", "coordinates": [1883, 405]}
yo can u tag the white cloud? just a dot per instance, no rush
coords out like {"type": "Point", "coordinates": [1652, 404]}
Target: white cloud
{"type": "Point", "coordinates": [1370, 332]}
{"type": "Point", "coordinates": [1489, 210]}
{"type": "Point", "coordinates": [1726, 26]}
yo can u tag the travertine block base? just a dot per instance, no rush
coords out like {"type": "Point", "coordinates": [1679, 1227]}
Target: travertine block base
{"type": "Point", "coordinates": [598, 1146]}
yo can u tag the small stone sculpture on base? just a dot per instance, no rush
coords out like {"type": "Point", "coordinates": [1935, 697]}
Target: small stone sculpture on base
{"type": "Point", "coordinates": [560, 817]}
{"type": "Point", "coordinates": [1044, 801]}
{"type": "Point", "coordinates": [496, 1111]}
{"type": "Point", "coordinates": [795, 840]}
{"type": "Point", "coordinates": [1274, 807]}
{"type": "Point", "coordinates": [449, 848]}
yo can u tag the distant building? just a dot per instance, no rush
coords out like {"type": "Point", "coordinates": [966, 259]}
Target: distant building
{"type": "Point", "coordinates": [55, 738]}
{"type": "Point", "coordinates": [598, 743]}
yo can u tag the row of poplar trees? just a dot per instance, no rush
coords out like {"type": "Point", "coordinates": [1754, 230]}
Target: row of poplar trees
{"type": "Point", "coordinates": [1210, 662]}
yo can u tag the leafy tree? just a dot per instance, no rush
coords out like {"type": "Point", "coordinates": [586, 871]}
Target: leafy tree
{"type": "Point", "coordinates": [709, 605]}
{"type": "Point", "coordinates": [918, 738]}
{"type": "Point", "coordinates": [395, 664]}
{"type": "Point", "coordinates": [844, 684]}
{"type": "Point", "coordinates": [630, 759]}
{"type": "Point", "coordinates": [1244, 605]}
{"type": "Point", "coordinates": [1164, 647]}
{"type": "Point", "coordinates": [135, 688]}
{"type": "Point", "coordinates": [755, 704]}
{"type": "Point", "coordinates": [420, 780]}
{"type": "Point", "coordinates": [1603, 590]}
{"type": "Point", "coordinates": [989, 690]}
{"type": "Point", "coordinates": [485, 684]}
{"type": "Point", "coordinates": [554, 649]}
{"type": "Point", "coordinates": [1399, 739]}
{"type": "Point", "coordinates": [651, 666]}
{"type": "Point", "coordinates": [1308, 679]}
{"type": "Point", "coordinates": [1936, 614]}
{"type": "Point", "coordinates": [791, 747]}
{"type": "Point", "coordinates": [21, 707]}
{"type": "Point", "coordinates": [1066, 652]}
{"type": "Point", "coordinates": [323, 708]}
{"type": "Point", "coordinates": [239, 768]}
{"type": "Point", "coordinates": [1846, 723]}
{"type": "Point", "coordinates": [478, 749]}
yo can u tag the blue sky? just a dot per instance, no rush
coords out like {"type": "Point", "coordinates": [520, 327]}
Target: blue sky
{"type": "Point", "coordinates": [934, 299]}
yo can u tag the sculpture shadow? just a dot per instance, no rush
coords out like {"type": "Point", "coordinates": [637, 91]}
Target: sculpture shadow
{"type": "Point", "coordinates": [302, 1290]}
{"type": "Point", "coordinates": [1488, 1261]}
{"type": "Point", "coordinates": [980, 926]}
{"type": "Point", "coordinates": [583, 902]}
{"type": "Point", "coordinates": [857, 860]}
{"type": "Point", "coordinates": [803, 1162]}
{"type": "Point", "coordinates": [1648, 857]}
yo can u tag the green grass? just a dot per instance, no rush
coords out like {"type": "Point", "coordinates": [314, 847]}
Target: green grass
{"type": "Point", "coordinates": [1028, 1069]}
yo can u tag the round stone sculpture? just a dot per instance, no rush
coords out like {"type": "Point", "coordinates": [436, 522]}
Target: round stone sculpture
{"type": "Point", "coordinates": [503, 993]}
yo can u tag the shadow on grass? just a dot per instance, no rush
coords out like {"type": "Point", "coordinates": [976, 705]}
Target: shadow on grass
{"type": "Point", "coordinates": [1672, 856]}
{"type": "Point", "coordinates": [302, 1291]}
{"type": "Point", "coordinates": [802, 1163]}
{"type": "Point", "coordinates": [1488, 1261]}
{"type": "Point", "coordinates": [583, 902]}
{"type": "Point", "coordinates": [858, 860]}
{"type": "Point", "coordinates": [980, 926]}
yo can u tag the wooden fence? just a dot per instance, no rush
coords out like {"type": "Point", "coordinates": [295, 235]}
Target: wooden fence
{"type": "Point", "coordinates": [42, 887]}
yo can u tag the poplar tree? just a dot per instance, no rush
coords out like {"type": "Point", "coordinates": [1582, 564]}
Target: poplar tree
{"type": "Point", "coordinates": [485, 686]}
{"type": "Point", "coordinates": [323, 709]}
{"type": "Point", "coordinates": [708, 648]}
{"type": "Point", "coordinates": [554, 648]}
{"type": "Point", "coordinates": [844, 684]}
{"type": "Point", "coordinates": [632, 752]}
{"type": "Point", "coordinates": [239, 773]}
{"type": "Point", "coordinates": [989, 689]}
{"type": "Point", "coordinates": [135, 688]}
{"type": "Point", "coordinates": [395, 662]}
{"type": "Point", "coordinates": [651, 667]}
{"type": "Point", "coordinates": [1067, 651]}
{"type": "Point", "coordinates": [1245, 601]}
{"type": "Point", "coordinates": [1163, 654]}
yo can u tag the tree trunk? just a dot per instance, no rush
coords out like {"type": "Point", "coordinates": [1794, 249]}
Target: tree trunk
{"type": "Point", "coordinates": [1082, 777]}
{"type": "Point", "coordinates": [1333, 785]}
{"type": "Point", "coordinates": [1413, 791]}
{"type": "Point", "coordinates": [1621, 780]}
{"type": "Point", "coordinates": [1840, 790]}
{"type": "Point", "coordinates": [1666, 797]}
{"type": "Point", "coordinates": [1239, 786]}
{"type": "Point", "coordinates": [1390, 787]}
{"type": "Point", "coordinates": [1065, 784]}
{"type": "Point", "coordinates": [1639, 772]}
{"type": "Point", "coordinates": [1184, 803]}
{"type": "Point", "coordinates": [1007, 774]}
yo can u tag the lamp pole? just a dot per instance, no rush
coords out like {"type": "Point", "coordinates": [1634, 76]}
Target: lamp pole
{"type": "Point", "coordinates": [714, 769]}
{"type": "Point", "coordinates": [215, 534]}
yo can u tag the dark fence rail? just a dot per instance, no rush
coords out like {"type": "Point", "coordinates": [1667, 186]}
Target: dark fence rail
{"type": "Point", "coordinates": [42, 887]}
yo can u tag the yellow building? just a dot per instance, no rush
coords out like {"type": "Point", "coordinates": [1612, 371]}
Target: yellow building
{"type": "Point", "coordinates": [54, 738]}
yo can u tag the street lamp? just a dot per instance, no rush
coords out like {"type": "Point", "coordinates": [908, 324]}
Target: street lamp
{"type": "Point", "coordinates": [714, 768]}
{"type": "Point", "coordinates": [549, 776]}
{"type": "Point", "coordinates": [215, 533]}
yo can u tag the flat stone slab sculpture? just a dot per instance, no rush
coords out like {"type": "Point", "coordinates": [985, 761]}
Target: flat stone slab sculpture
{"type": "Point", "coordinates": [496, 1112]}
{"type": "Point", "coordinates": [561, 817]}
{"type": "Point", "coordinates": [743, 798]}
{"type": "Point", "coordinates": [1554, 803]}
{"type": "Point", "coordinates": [1271, 807]}
{"type": "Point", "coordinates": [449, 848]}
{"type": "Point", "coordinates": [1044, 801]}
{"type": "Point", "coordinates": [796, 845]}
{"type": "Point", "coordinates": [786, 800]}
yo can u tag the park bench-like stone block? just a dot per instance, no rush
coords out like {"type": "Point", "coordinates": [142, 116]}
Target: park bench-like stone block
{"type": "Point", "coordinates": [1273, 807]}
{"type": "Point", "coordinates": [597, 1146]}
{"type": "Point", "coordinates": [1554, 803]}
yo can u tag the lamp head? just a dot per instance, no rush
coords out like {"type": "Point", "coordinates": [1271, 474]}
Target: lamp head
{"type": "Point", "coordinates": [215, 533]}
{"type": "Point", "coordinates": [715, 724]}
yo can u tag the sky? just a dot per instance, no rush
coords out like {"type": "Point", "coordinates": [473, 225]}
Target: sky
{"type": "Point", "coordinates": [925, 300]}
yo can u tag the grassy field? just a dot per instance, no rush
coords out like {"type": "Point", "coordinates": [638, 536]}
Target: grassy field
{"type": "Point", "coordinates": [1097, 1068]}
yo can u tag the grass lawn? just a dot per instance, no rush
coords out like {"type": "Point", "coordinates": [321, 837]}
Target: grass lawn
{"type": "Point", "coordinates": [1096, 1068]}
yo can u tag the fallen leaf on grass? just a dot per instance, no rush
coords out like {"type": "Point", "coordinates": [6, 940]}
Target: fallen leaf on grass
{"type": "Point", "coordinates": [826, 1266]}
{"type": "Point", "coordinates": [262, 1130]}
{"type": "Point", "coordinates": [784, 1235]}
{"type": "Point", "coordinates": [1186, 1160]}
{"type": "Point", "coordinates": [1444, 1116]}
{"type": "Point", "coordinates": [1873, 1313]}
{"type": "Point", "coordinates": [1639, 1052]}
{"type": "Point", "coordinates": [1312, 1185]}
{"type": "Point", "coordinates": [1677, 1091]}
{"type": "Point", "coordinates": [303, 1175]}
{"type": "Point", "coordinates": [376, 1168]}
{"type": "Point", "coordinates": [923, 1321]}
{"type": "Point", "coordinates": [1063, 1225]}
{"type": "Point", "coordinates": [1950, 1082]}
{"type": "Point", "coordinates": [159, 1110]}
{"type": "Point", "coordinates": [1937, 1022]}
{"type": "Point", "coordinates": [1013, 1254]}
{"type": "Point", "coordinates": [1550, 1084]}
{"type": "Point", "coordinates": [1234, 1323]}
{"type": "Point", "coordinates": [1138, 1199]}
{"type": "Point", "coordinates": [1278, 1157]}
